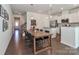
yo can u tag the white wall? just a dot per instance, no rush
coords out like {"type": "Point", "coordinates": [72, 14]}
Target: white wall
{"type": "Point", "coordinates": [41, 20]}
{"type": "Point", "coordinates": [6, 36]}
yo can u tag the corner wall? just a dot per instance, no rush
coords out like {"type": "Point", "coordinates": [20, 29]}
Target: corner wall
{"type": "Point", "coordinates": [6, 36]}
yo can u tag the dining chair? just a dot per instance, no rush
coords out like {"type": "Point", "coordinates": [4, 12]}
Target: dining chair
{"type": "Point", "coordinates": [46, 31]}
{"type": "Point", "coordinates": [39, 43]}
{"type": "Point", "coordinates": [37, 29]}
{"type": "Point", "coordinates": [28, 39]}
{"type": "Point", "coordinates": [41, 29]}
{"type": "Point", "coordinates": [45, 39]}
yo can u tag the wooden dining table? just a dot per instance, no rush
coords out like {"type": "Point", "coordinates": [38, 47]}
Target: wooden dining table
{"type": "Point", "coordinates": [40, 34]}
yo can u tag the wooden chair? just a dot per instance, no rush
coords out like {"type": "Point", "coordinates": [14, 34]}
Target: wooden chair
{"type": "Point", "coordinates": [37, 29]}
{"type": "Point", "coordinates": [41, 29]}
{"type": "Point", "coordinates": [45, 38]}
{"type": "Point", "coordinates": [46, 31]}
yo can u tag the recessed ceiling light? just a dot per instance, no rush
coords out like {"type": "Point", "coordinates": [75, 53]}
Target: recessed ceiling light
{"type": "Point", "coordinates": [50, 16]}
{"type": "Point", "coordinates": [50, 5]}
{"type": "Point", "coordinates": [32, 17]}
{"type": "Point", "coordinates": [61, 8]}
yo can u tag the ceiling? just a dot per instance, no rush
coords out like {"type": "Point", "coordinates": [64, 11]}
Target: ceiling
{"type": "Point", "coordinates": [41, 8]}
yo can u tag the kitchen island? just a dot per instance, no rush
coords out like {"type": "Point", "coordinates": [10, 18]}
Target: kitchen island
{"type": "Point", "coordinates": [70, 36]}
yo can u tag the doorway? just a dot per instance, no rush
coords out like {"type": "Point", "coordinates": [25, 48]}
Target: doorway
{"type": "Point", "coordinates": [16, 23]}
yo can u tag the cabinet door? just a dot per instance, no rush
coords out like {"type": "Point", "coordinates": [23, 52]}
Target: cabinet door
{"type": "Point", "coordinates": [73, 18]}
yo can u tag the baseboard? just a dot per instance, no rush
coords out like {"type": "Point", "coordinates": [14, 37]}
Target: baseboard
{"type": "Point", "coordinates": [68, 45]}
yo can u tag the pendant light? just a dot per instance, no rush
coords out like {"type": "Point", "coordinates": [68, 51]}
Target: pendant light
{"type": "Point", "coordinates": [50, 11]}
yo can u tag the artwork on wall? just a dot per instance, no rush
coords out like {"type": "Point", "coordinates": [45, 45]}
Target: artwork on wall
{"type": "Point", "coordinates": [5, 25]}
{"type": "Point", "coordinates": [1, 24]}
{"type": "Point", "coordinates": [1, 11]}
{"type": "Point", "coordinates": [33, 22]}
{"type": "Point", "coordinates": [4, 18]}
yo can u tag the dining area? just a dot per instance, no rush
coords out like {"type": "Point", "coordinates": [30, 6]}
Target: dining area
{"type": "Point", "coordinates": [38, 39]}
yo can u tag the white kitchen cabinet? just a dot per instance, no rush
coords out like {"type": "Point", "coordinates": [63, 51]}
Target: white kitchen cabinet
{"type": "Point", "coordinates": [73, 18]}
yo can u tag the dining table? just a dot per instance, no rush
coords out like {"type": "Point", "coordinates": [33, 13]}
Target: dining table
{"type": "Point", "coordinates": [40, 34]}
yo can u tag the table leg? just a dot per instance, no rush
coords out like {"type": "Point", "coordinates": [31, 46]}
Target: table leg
{"type": "Point", "coordinates": [50, 40]}
{"type": "Point", "coordinates": [34, 46]}
{"type": "Point", "coordinates": [50, 43]}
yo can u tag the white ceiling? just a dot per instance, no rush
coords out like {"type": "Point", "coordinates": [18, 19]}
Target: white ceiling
{"type": "Point", "coordinates": [41, 8]}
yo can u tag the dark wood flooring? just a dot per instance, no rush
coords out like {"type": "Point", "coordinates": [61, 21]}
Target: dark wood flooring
{"type": "Point", "coordinates": [17, 47]}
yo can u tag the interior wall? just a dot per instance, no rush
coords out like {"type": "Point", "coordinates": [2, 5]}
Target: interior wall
{"type": "Point", "coordinates": [41, 20]}
{"type": "Point", "coordinates": [6, 36]}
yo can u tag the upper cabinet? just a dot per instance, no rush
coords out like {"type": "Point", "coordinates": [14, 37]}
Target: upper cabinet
{"type": "Point", "coordinates": [73, 17]}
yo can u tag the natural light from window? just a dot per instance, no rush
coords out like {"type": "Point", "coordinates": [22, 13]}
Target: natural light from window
{"type": "Point", "coordinates": [16, 24]}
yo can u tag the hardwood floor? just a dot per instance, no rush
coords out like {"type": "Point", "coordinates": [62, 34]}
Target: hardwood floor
{"type": "Point", "coordinates": [17, 47]}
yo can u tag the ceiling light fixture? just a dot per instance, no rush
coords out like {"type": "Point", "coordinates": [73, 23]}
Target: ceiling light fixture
{"type": "Point", "coordinates": [50, 16]}
{"type": "Point", "coordinates": [50, 11]}
{"type": "Point", "coordinates": [32, 17]}
{"type": "Point", "coordinates": [61, 8]}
